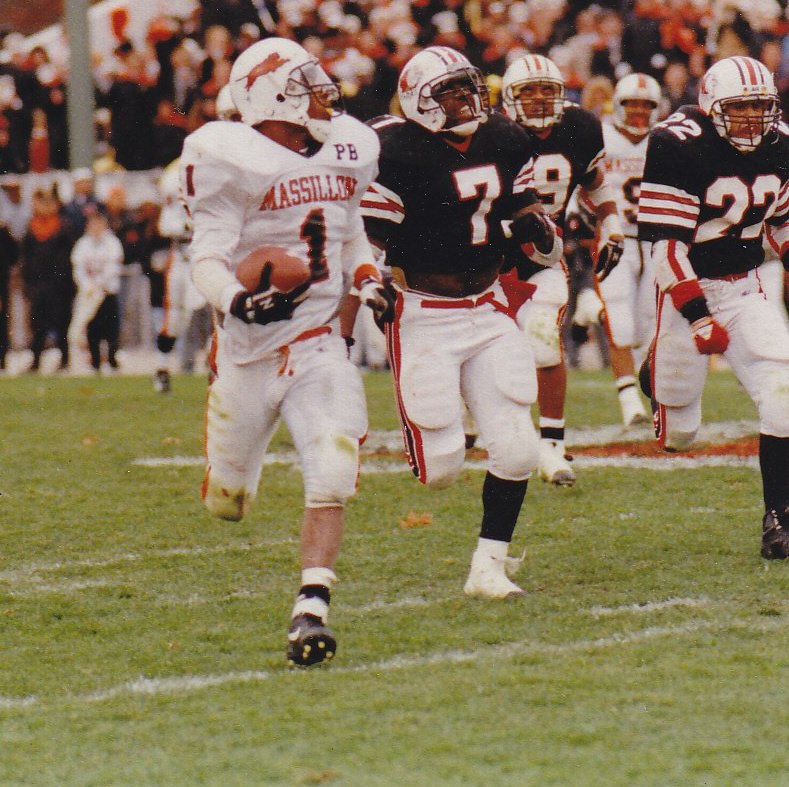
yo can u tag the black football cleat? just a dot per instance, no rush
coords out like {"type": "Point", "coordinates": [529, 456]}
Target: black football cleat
{"type": "Point", "coordinates": [775, 535]}
{"type": "Point", "coordinates": [309, 641]}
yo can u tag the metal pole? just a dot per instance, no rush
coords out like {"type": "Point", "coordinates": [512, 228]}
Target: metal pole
{"type": "Point", "coordinates": [80, 85]}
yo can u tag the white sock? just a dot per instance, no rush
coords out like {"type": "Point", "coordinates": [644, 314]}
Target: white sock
{"type": "Point", "coordinates": [314, 605]}
{"type": "Point", "coordinates": [490, 548]}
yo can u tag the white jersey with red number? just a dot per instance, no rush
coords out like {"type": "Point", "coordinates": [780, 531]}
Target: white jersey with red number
{"type": "Point", "coordinates": [624, 167]}
{"type": "Point", "coordinates": [243, 191]}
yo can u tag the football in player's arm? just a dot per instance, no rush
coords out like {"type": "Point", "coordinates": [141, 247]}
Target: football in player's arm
{"type": "Point", "coordinates": [716, 174]}
{"type": "Point", "coordinates": [289, 176]}
{"type": "Point", "coordinates": [450, 173]}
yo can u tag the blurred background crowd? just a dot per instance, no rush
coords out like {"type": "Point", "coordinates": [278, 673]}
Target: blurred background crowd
{"type": "Point", "coordinates": [157, 78]}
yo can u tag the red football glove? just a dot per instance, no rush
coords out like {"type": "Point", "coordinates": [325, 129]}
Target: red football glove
{"type": "Point", "coordinates": [710, 336]}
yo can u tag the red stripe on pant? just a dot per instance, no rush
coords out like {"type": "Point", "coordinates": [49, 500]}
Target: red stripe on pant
{"type": "Point", "coordinates": [659, 414]}
{"type": "Point", "coordinates": [412, 437]}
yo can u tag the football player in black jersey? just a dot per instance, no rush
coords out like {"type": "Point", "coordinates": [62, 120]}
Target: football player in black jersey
{"type": "Point", "coordinates": [450, 174]}
{"type": "Point", "coordinates": [715, 175]}
{"type": "Point", "coordinates": [568, 144]}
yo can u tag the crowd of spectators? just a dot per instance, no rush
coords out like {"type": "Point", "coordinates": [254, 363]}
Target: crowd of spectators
{"type": "Point", "coordinates": [150, 95]}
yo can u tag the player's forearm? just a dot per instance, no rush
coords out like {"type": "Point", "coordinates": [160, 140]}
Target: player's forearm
{"type": "Point", "coordinates": [359, 258]}
{"type": "Point", "coordinates": [348, 311]}
{"type": "Point", "coordinates": [215, 282]}
{"type": "Point", "coordinates": [778, 237]}
{"type": "Point", "coordinates": [676, 277]}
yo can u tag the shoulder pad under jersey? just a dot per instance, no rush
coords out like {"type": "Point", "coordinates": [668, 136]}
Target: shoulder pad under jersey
{"type": "Point", "coordinates": [345, 128]}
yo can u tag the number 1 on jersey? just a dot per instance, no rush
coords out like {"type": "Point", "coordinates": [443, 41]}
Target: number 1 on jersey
{"type": "Point", "coordinates": [313, 231]}
{"type": "Point", "coordinates": [483, 182]}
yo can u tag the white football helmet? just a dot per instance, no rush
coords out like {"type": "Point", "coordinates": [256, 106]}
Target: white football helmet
{"type": "Point", "coordinates": [432, 79]}
{"type": "Point", "coordinates": [734, 80]}
{"type": "Point", "coordinates": [635, 87]}
{"type": "Point", "coordinates": [274, 79]}
{"type": "Point", "coordinates": [225, 108]}
{"type": "Point", "coordinates": [537, 113]}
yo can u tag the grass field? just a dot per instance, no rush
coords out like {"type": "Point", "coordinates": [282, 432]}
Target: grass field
{"type": "Point", "coordinates": [143, 641]}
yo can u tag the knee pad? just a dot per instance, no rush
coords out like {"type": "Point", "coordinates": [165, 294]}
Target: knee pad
{"type": "Point", "coordinates": [331, 468]}
{"type": "Point", "coordinates": [621, 323]}
{"type": "Point", "coordinates": [443, 469]}
{"type": "Point", "coordinates": [514, 456]}
{"type": "Point", "coordinates": [676, 427]}
{"type": "Point", "coordinates": [774, 409]}
{"type": "Point", "coordinates": [541, 326]}
{"type": "Point", "coordinates": [224, 501]}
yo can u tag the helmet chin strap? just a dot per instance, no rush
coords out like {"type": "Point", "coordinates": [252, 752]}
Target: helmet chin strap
{"type": "Point", "coordinates": [464, 129]}
{"type": "Point", "coordinates": [746, 144]}
{"type": "Point", "coordinates": [637, 131]}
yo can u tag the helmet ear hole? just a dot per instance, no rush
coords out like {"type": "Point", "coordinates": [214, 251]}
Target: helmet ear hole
{"type": "Point", "coordinates": [280, 98]}
{"type": "Point", "coordinates": [424, 74]}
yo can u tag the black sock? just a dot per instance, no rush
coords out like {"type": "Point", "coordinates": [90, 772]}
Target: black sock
{"type": "Point", "coordinates": [315, 591]}
{"type": "Point", "coordinates": [550, 433]}
{"type": "Point", "coordinates": [501, 504]}
{"type": "Point", "coordinates": [774, 461]}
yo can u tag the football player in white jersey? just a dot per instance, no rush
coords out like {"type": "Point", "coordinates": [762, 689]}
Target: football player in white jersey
{"type": "Point", "coordinates": [716, 176]}
{"type": "Point", "coordinates": [628, 294]}
{"type": "Point", "coordinates": [290, 175]}
{"type": "Point", "coordinates": [181, 297]}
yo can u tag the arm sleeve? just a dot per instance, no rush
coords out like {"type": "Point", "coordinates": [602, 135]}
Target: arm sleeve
{"type": "Point", "coordinates": [593, 139]}
{"type": "Point", "coordinates": [358, 259]}
{"type": "Point", "coordinates": [382, 206]}
{"type": "Point", "coordinates": [778, 226]}
{"type": "Point", "coordinates": [670, 258]}
{"type": "Point", "coordinates": [668, 207]}
{"type": "Point", "coordinates": [217, 209]}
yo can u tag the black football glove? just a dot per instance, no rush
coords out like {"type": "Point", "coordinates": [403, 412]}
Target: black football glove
{"type": "Point", "coordinates": [266, 304]}
{"type": "Point", "coordinates": [380, 297]}
{"type": "Point", "coordinates": [608, 258]}
{"type": "Point", "coordinates": [534, 227]}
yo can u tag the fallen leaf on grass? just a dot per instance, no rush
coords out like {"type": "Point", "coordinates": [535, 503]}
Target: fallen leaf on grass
{"type": "Point", "coordinates": [413, 519]}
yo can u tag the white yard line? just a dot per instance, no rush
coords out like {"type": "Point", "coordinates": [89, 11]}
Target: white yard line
{"type": "Point", "coordinates": [374, 466]}
{"type": "Point", "coordinates": [28, 573]}
{"type": "Point", "coordinates": [63, 588]}
{"type": "Point", "coordinates": [184, 684]}
{"type": "Point", "coordinates": [392, 442]}
{"type": "Point", "coordinates": [649, 606]}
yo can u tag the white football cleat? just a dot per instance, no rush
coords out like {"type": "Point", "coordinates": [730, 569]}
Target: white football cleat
{"type": "Point", "coordinates": [552, 465]}
{"type": "Point", "coordinates": [633, 412]}
{"type": "Point", "coordinates": [488, 577]}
